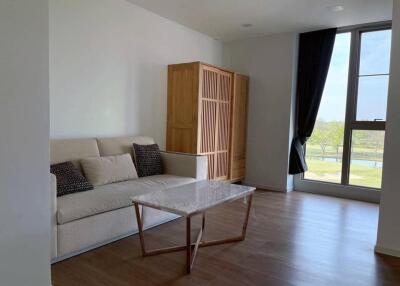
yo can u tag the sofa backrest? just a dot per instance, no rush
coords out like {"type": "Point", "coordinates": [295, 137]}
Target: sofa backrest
{"type": "Point", "coordinates": [121, 145]}
{"type": "Point", "coordinates": [62, 150]}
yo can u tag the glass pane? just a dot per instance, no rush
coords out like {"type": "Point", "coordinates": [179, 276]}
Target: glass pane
{"type": "Point", "coordinates": [325, 146]}
{"type": "Point", "coordinates": [375, 52]}
{"type": "Point", "coordinates": [367, 158]}
{"type": "Point", "coordinates": [372, 98]}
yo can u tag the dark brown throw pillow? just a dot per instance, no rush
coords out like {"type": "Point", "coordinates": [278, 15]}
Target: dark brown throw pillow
{"type": "Point", "coordinates": [148, 160]}
{"type": "Point", "coordinates": [69, 179]}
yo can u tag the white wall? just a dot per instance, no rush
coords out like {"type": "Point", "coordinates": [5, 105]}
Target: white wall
{"type": "Point", "coordinates": [24, 150]}
{"type": "Point", "coordinates": [389, 227]}
{"type": "Point", "coordinates": [108, 67]}
{"type": "Point", "coordinates": [270, 62]}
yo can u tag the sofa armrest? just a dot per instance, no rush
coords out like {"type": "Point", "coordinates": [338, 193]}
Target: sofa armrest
{"type": "Point", "coordinates": [53, 200]}
{"type": "Point", "coordinates": [186, 165]}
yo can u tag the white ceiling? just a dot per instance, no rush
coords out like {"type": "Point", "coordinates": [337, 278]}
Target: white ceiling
{"type": "Point", "coordinates": [223, 19]}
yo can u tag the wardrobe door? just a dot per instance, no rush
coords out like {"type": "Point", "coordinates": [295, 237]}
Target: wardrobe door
{"type": "Point", "coordinates": [216, 95]}
{"type": "Point", "coordinates": [182, 115]}
{"type": "Point", "coordinates": [239, 127]}
{"type": "Point", "coordinates": [208, 116]}
{"type": "Point", "coordinates": [223, 126]}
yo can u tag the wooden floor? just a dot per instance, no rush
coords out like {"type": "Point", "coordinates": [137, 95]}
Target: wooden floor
{"type": "Point", "coordinates": [292, 239]}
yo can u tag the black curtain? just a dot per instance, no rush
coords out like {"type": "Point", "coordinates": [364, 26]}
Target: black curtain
{"type": "Point", "coordinates": [315, 52]}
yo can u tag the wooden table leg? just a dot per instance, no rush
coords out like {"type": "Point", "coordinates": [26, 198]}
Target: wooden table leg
{"type": "Point", "coordinates": [188, 245]}
{"type": "Point", "coordinates": [196, 246]}
{"type": "Point", "coordinates": [246, 220]}
{"type": "Point", "coordinates": [140, 227]}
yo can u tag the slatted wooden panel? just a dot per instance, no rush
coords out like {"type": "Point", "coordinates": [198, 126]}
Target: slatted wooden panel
{"type": "Point", "coordinates": [223, 126]}
{"type": "Point", "coordinates": [215, 99]}
{"type": "Point", "coordinates": [208, 126]}
{"type": "Point", "coordinates": [222, 166]}
{"type": "Point", "coordinates": [211, 166]}
{"type": "Point", "coordinates": [210, 84]}
{"type": "Point", "coordinates": [225, 87]}
{"type": "Point", "coordinates": [239, 127]}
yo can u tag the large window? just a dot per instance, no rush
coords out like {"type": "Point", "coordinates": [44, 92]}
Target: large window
{"type": "Point", "coordinates": [346, 146]}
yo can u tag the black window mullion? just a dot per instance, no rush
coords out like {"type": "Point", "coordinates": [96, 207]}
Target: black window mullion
{"type": "Point", "coordinates": [368, 125]}
{"type": "Point", "coordinates": [351, 105]}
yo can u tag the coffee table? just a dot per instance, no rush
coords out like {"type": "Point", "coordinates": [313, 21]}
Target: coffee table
{"type": "Point", "coordinates": [190, 200]}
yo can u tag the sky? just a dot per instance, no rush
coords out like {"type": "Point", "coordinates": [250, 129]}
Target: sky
{"type": "Point", "coordinates": [372, 91]}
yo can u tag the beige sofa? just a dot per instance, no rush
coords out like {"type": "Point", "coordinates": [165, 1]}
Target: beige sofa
{"type": "Point", "coordinates": [86, 220]}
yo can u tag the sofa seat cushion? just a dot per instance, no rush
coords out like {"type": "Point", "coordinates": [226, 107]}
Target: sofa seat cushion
{"type": "Point", "coordinates": [111, 197]}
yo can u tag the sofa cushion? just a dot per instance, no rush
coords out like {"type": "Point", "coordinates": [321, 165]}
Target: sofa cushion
{"type": "Point", "coordinates": [110, 169]}
{"type": "Point", "coordinates": [147, 159]}
{"type": "Point", "coordinates": [69, 179]}
{"type": "Point", "coordinates": [113, 196]}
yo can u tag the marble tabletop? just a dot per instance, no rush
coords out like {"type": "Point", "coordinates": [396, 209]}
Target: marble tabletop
{"type": "Point", "coordinates": [193, 198]}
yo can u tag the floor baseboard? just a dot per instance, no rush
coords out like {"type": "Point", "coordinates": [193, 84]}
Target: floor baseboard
{"type": "Point", "coordinates": [269, 188]}
{"type": "Point", "coordinates": [387, 251]}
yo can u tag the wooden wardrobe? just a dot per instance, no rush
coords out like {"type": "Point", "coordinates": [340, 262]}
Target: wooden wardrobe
{"type": "Point", "coordinates": [207, 112]}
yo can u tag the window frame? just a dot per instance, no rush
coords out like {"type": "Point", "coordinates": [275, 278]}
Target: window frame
{"type": "Point", "coordinates": [351, 122]}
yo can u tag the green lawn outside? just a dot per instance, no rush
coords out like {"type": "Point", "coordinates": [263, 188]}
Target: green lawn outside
{"type": "Point", "coordinates": [330, 172]}
{"type": "Point", "coordinates": [358, 152]}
